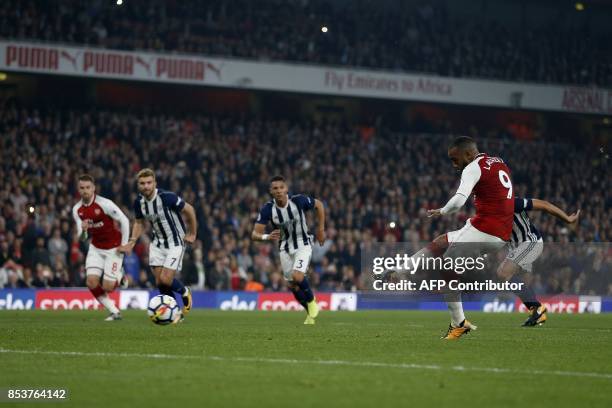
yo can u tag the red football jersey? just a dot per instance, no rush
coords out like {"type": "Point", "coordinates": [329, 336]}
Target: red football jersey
{"type": "Point", "coordinates": [101, 214]}
{"type": "Point", "coordinates": [493, 196]}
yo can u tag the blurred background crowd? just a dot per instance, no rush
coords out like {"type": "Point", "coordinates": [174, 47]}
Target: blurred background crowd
{"type": "Point", "coordinates": [375, 183]}
{"type": "Point", "coordinates": [541, 41]}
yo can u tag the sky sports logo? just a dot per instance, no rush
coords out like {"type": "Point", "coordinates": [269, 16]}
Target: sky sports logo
{"type": "Point", "coordinates": [266, 301]}
{"type": "Point", "coordinates": [18, 299]}
{"type": "Point", "coordinates": [70, 299]}
{"type": "Point", "coordinates": [273, 301]}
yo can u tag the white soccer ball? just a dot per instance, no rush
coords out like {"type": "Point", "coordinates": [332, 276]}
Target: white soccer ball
{"type": "Point", "coordinates": [163, 310]}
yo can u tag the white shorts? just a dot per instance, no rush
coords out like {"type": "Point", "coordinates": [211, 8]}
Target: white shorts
{"type": "Point", "coordinates": [475, 242]}
{"type": "Point", "coordinates": [297, 261]}
{"type": "Point", "coordinates": [108, 261]}
{"type": "Point", "coordinates": [525, 254]}
{"type": "Point", "coordinates": [170, 258]}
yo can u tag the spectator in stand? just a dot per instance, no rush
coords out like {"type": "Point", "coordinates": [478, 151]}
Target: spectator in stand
{"type": "Point", "coordinates": [42, 277]}
{"type": "Point", "coordinates": [5, 253]}
{"type": "Point", "coordinates": [40, 255]}
{"type": "Point", "coordinates": [237, 274]}
{"type": "Point", "coordinates": [12, 280]}
{"type": "Point", "coordinates": [276, 283]}
{"type": "Point", "coordinates": [61, 278]}
{"type": "Point", "coordinates": [251, 285]}
{"type": "Point", "coordinates": [57, 246]}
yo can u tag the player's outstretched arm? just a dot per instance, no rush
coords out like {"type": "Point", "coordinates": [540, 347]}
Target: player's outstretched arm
{"type": "Point", "coordinates": [259, 234]}
{"type": "Point", "coordinates": [552, 209]}
{"type": "Point", "coordinates": [454, 204]}
{"type": "Point", "coordinates": [137, 230]}
{"type": "Point", "coordinates": [469, 177]}
{"type": "Point", "coordinates": [320, 209]}
{"type": "Point", "coordinates": [192, 223]}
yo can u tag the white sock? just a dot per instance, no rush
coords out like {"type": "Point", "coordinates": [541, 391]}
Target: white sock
{"type": "Point", "coordinates": [108, 303]}
{"type": "Point", "coordinates": [455, 307]}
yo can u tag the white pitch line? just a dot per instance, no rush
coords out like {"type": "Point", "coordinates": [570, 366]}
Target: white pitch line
{"type": "Point", "coordinates": [345, 363]}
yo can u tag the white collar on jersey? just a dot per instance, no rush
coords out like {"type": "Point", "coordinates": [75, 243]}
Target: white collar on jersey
{"type": "Point", "coordinates": [286, 205]}
{"type": "Point", "coordinates": [152, 198]}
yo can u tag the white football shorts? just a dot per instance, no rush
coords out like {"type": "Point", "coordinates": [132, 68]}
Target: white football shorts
{"type": "Point", "coordinates": [297, 261]}
{"type": "Point", "coordinates": [169, 258]}
{"type": "Point", "coordinates": [107, 261]}
{"type": "Point", "coordinates": [526, 253]}
{"type": "Point", "coordinates": [471, 242]}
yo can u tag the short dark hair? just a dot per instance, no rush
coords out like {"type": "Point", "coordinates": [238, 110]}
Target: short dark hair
{"type": "Point", "coordinates": [87, 177]}
{"type": "Point", "coordinates": [463, 142]}
{"type": "Point", "coordinates": [277, 178]}
{"type": "Point", "coordinates": [146, 172]}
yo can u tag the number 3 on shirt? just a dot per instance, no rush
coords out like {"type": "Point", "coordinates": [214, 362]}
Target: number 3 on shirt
{"type": "Point", "coordinates": [505, 181]}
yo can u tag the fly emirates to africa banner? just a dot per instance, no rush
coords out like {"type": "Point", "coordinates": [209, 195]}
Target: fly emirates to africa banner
{"type": "Point", "coordinates": [234, 73]}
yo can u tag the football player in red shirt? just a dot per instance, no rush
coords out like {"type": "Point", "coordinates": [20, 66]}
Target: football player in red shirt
{"type": "Point", "coordinates": [95, 217]}
{"type": "Point", "coordinates": [488, 178]}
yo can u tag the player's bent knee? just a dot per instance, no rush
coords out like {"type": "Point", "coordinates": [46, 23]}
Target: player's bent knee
{"type": "Point", "coordinates": [297, 276]}
{"type": "Point", "coordinates": [438, 245]}
{"type": "Point", "coordinates": [441, 239]}
{"type": "Point", "coordinates": [163, 280]}
{"type": "Point", "coordinates": [109, 285]}
{"type": "Point", "coordinates": [92, 282]}
{"type": "Point", "coordinates": [166, 276]}
{"type": "Point", "coordinates": [506, 270]}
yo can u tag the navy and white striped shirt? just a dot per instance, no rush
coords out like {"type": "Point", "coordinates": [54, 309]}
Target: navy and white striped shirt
{"type": "Point", "coordinates": [523, 229]}
{"type": "Point", "coordinates": [290, 220]}
{"type": "Point", "coordinates": [164, 213]}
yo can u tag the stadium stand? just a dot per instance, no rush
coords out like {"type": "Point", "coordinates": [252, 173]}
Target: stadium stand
{"type": "Point", "coordinates": [544, 42]}
{"type": "Point", "coordinates": [366, 179]}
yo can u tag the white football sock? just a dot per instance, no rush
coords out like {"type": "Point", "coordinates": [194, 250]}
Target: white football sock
{"type": "Point", "coordinates": [108, 303]}
{"type": "Point", "coordinates": [455, 307]}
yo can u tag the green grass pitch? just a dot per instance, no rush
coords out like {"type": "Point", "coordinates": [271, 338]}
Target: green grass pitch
{"type": "Point", "coordinates": [270, 359]}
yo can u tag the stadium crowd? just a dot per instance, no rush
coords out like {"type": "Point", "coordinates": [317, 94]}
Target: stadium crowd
{"type": "Point", "coordinates": [368, 179]}
{"type": "Point", "coordinates": [425, 38]}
